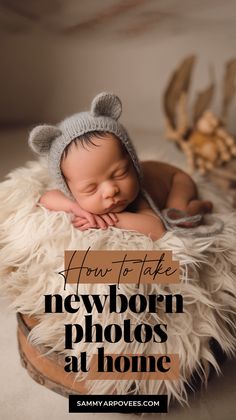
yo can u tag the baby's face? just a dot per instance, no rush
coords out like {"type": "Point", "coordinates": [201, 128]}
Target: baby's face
{"type": "Point", "coordinates": [101, 177]}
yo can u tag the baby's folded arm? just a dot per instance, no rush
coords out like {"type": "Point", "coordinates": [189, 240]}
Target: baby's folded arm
{"type": "Point", "coordinates": [148, 224]}
{"type": "Point", "coordinates": [57, 201]}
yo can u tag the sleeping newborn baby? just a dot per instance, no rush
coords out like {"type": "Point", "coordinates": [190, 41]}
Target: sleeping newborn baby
{"type": "Point", "coordinates": [101, 181]}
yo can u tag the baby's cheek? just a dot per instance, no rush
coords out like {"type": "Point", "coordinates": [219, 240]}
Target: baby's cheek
{"type": "Point", "coordinates": [89, 204]}
{"type": "Point", "coordinates": [84, 202]}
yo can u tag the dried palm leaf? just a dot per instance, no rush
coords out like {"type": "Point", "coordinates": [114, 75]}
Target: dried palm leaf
{"type": "Point", "coordinates": [202, 102]}
{"type": "Point", "coordinates": [228, 86]}
{"type": "Point", "coordinates": [179, 83]}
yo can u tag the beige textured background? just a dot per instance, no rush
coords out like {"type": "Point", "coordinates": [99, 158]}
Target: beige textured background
{"type": "Point", "coordinates": [55, 56]}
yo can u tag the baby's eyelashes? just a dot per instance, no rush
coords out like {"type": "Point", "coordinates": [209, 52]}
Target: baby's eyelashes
{"type": "Point", "coordinates": [120, 173]}
{"type": "Point", "coordinates": [89, 189]}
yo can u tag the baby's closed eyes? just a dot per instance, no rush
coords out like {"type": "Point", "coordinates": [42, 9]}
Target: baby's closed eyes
{"type": "Point", "coordinates": [89, 189]}
{"type": "Point", "coordinates": [118, 174]}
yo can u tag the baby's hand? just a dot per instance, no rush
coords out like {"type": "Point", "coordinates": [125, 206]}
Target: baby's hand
{"type": "Point", "coordinates": [80, 213]}
{"type": "Point", "coordinates": [105, 220]}
{"type": "Point", "coordinates": [102, 221]}
{"type": "Point", "coordinates": [81, 223]}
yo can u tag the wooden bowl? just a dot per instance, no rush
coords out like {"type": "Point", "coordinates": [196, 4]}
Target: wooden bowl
{"type": "Point", "coordinates": [47, 370]}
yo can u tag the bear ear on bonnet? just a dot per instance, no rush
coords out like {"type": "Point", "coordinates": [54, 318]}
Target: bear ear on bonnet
{"type": "Point", "coordinates": [41, 137]}
{"type": "Point", "coordinates": [106, 105]}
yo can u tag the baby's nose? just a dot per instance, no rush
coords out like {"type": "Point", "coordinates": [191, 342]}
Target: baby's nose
{"type": "Point", "coordinates": [110, 190]}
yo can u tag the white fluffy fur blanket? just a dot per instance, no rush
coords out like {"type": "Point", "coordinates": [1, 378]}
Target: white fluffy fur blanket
{"type": "Point", "coordinates": [33, 241]}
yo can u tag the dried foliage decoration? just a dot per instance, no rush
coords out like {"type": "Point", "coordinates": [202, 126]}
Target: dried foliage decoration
{"type": "Point", "coordinates": [204, 140]}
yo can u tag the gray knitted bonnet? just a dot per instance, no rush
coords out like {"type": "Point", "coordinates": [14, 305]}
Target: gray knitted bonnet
{"type": "Point", "coordinates": [51, 140]}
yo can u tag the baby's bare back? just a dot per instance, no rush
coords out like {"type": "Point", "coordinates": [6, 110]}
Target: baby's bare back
{"type": "Point", "coordinates": [157, 180]}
